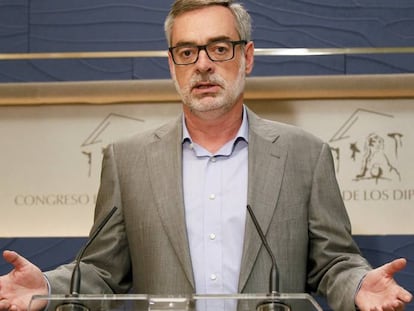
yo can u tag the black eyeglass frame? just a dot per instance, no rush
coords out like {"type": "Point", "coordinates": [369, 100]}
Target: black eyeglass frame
{"type": "Point", "coordinates": [204, 47]}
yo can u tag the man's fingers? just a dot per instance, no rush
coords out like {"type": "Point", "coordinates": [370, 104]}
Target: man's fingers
{"type": "Point", "coordinates": [394, 266]}
{"type": "Point", "coordinates": [15, 259]}
{"type": "Point", "coordinates": [4, 305]}
{"type": "Point", "coordinates": [405, 296]}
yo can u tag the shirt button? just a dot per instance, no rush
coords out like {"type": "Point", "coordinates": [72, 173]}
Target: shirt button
{"type": "Point", "coordinates": [213, 277]}
{"type": "Point", "coordinates": [213, 159]}
{"type": "Point", "coordinates": [212, 236]}
{"type": "Point", "coordinates": [212, 196]}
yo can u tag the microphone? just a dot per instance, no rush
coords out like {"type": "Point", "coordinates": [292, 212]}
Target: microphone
{"type": "Point", "coordinates": [273, 304]}
{"type": "Point", "coordinates": [76, 273]}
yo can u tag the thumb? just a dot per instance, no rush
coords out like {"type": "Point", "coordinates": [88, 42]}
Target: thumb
{"type": "Point", "coordinates": [15, 259]}
{"type": "Point", "coordinates": [394, 266]}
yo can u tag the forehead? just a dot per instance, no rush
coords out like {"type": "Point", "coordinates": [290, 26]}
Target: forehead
{"type": "Point", "coordinates": [203, 25]}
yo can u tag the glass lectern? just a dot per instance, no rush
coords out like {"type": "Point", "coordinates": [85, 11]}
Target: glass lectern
{"type": "Point", "coordinates": [237, 302]}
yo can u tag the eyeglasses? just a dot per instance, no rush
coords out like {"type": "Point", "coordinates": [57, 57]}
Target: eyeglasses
{"type": "Point", "coordinates": [217, 51]}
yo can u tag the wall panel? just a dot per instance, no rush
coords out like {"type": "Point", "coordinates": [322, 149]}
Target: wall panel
{"type": "Point", "coordinates": [54, 132]}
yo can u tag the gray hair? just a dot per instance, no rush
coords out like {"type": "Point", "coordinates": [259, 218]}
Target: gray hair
{"type": "Point", "coordinates": [243, 20]}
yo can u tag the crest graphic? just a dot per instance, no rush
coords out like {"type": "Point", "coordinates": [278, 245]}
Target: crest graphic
{"type": "Point", "coordinates": [367, 145]}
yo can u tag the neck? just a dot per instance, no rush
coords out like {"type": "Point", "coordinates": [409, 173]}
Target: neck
{"type": "Point", "coordinates": [214, 129]}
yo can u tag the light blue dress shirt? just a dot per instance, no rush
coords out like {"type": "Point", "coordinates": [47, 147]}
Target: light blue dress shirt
{"type": "Point", "coordinates": [215, 197]}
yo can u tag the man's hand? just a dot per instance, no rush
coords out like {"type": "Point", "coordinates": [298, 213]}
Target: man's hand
{"type": "Point", "coordinates": [380, 292]}
{"type": "Point", "coordinates": [19, 285]}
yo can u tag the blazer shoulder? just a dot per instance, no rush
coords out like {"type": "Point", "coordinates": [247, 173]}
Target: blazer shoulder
{"type": "Point", "coordinates": [290, 135]}
{"type": "Point", "coordinates": [148, 136]}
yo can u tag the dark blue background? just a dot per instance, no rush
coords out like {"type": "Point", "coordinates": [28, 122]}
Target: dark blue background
{"type": "Point", "coordinates": [128, 25]}
{"type": "Point", "coordinates": [50, 252]}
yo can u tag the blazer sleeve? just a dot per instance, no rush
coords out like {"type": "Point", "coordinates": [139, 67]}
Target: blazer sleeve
{"type": "Point", "coordinates": [335, 266]}
{"type": "Point", "coordinates": [105, 267]}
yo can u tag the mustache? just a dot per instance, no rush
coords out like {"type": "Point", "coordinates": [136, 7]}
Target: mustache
{"type": "Point", "coordinates": [211, 78]}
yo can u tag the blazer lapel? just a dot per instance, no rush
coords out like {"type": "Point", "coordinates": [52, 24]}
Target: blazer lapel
{"type": "Point", "coordinates": [165, 166]}
{"type": "Point", "coordinates": [266, 157]}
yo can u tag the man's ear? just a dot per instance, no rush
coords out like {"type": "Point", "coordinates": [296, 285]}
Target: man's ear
{"type": "Point", "coordinates": [249, 55]}
{"type": "Point", "coordinates": [171, 65]}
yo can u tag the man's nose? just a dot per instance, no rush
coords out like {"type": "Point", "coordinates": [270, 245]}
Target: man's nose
{"type": "Point", "coordinates": [204, 63]}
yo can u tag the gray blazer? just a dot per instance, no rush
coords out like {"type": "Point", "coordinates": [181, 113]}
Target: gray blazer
{"type": "Point", "coordinates": [292, 189]}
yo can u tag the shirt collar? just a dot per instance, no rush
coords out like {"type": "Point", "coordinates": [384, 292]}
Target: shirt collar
{"type": "Point", "coordinates": [243, 132]}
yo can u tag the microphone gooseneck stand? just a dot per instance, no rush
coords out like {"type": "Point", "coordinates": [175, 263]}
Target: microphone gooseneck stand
{"type": "Point", "coordinates": [273, 303]}
{"type": "Point", "coordinates": [75, 304]}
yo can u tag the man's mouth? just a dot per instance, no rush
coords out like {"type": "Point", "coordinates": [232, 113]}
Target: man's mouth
{"type": "Point", "coordinates": [206, 87]}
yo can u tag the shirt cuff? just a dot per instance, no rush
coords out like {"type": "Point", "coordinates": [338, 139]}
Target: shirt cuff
{"type": "Point", "coordinates": [357, 290]}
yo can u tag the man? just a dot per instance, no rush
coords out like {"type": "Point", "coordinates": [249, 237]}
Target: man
{"type": "Point", "coordinates": [182, 192]}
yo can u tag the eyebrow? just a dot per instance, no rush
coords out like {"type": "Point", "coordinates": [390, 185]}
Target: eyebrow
{"type": "Point", "coordinates": [215, 39]}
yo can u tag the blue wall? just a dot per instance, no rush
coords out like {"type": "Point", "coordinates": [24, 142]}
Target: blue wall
{"type": "Point", "coordinates": [122, 25]}
{"type": "Point", "coordinates": [48, 253]}
{"type": "Point", "coordinates": [106, 25]}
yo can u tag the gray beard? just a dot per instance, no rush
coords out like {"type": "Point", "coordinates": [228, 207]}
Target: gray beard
{"type": "Point", "coordinates": [224, 100]}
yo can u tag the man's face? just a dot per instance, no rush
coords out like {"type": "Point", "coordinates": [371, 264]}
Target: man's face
{"type": "Point", "coordinates": [207, 85]}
